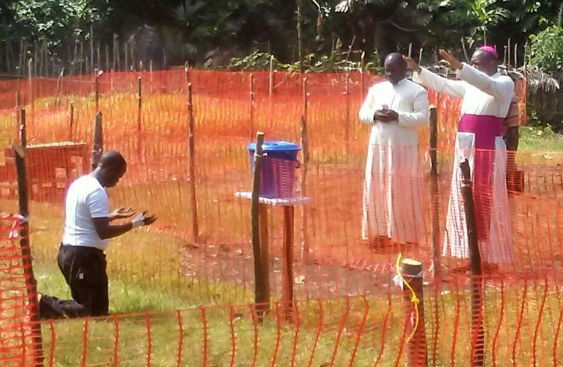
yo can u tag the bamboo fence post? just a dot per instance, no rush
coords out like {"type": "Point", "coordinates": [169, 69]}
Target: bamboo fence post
{"type": "Point", "coordinates": [435, 215]}
{"type": "Point", "coordinates": [106, 65]}
{"type": "Point", "coordinates": [125, 49]}
{"type": "Point", "coordinates": [139, 118]}
{"type": "Point", "coordinates": [509, 50]}
{"type": "Point", "coordinates": [435, 193]}
{"type": "Point", "coordinates": [91, 47]}
{"type": "Point", "coordinates": [191, 162]}
{"type": "Point", "coordinates": [71, 122]}
{"type": "Point", "coordinates": [98, 141]}
{"type": "Point", "coordinates": [287, 297]}
{"type": "Point", "coordinates": [271, 78]}
{"type": "Point", "coordinates": [251, 105]}
{"type": "Point", "coordinates": [22, 128]}
{"type": "Point", "coordinates": [30, 85]}
{"type": "Point", "coordinates": [516, 56]}
{"type": "Point", "coordinates": [31, 283]}
{"type": "Point", "coordinates": [305, 251]}
{"type": "Point", "coordinates": [259, 223]}
{"type": "Point", "coordinates": [477, 281]}
{"type": "Point", "coordinates": [97, 89]}
{"type": "Point", "coordinates": [362, 70]}
{"type": "Point", "coordinates": [347, 131]}
{"type": "Point", "coordinates": [411, 271]}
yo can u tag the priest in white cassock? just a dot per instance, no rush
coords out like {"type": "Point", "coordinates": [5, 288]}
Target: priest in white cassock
{"type": "Point", "coordinates": [486, 98]}
{"type": "Point", "coordinates": [392, 211]}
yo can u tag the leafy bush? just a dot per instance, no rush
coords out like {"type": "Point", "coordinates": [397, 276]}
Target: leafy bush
{"type": "Point", "coordinates": [546, 49]}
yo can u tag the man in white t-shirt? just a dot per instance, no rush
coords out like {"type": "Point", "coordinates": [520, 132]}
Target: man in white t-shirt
{"type": "Point", "coordinates": [87, 231]}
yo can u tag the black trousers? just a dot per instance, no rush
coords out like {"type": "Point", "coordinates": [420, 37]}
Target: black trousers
{"type": "Point", "coordinates": [84, 269]}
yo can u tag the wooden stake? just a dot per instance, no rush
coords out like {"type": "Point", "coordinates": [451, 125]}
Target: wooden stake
{"type": "Point", "coordinates": [98, 63]}
{"type": "Point", "coordinates": [411, 271]}
{"type": "Point", "coordinates": [477, 281]}
{"type": "Point", "coordinates": [98, 141]}
{"type": "Point", "coordinates": [287, 273]}
{"type": "Point", "coordinates": [91, 48]}
{"type": "Point", "coordinates": [71, 122]}
{"type": "Point", "coordinates": [305, 251]}
{"type": "Point", "coordinates": [362, 70]}
{"type": "Point", "coordinates": [115, 52]}
{"type": "Point", "coordinates": [106, 65]}
{"type": "Point", "coordinates": [118, 52]}
{"type": "Point", "coordinates": [97, 89]}
{"type": "Point", "coordinates": [420, 55]}
{"type": "Point", "coordinates": [251, 105]}
{"type": "Point", "coordinates": [435, 193]}
{"type": "Point", "coordinates": [191, 168]}
{"type": "Point", "coordinates": [139, 118]}
{"type": "Point", "coordinates": [509, 49]}
{"type": "Point", "coordinates": [410, 50]}
{"type": "Point", "coordinates": [30, 86]}
{"type": "Point", "coordinates": [258, 222]}
{"type": "Point", "coordinates": [125, 49]}
{"type": "Point", "coordinates": [299, 35]}
{"type": "Point", "coordinates": [347, 130]}
{"type": "Point", "coordinates": [271, 78]}
{"type": "Point", "coordinates": [516, 56]}
{"type": "Point", "coordinates": [25, 248]}
{"type": "Point", "coordinates": [22, 128]}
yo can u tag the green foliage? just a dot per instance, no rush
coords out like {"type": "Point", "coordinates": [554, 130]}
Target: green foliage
{"type": "Point", "coordinates": [546, 49]}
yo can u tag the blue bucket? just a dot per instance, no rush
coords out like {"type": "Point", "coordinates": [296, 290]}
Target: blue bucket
{"type": "Point", "coordinates": [278, 168]}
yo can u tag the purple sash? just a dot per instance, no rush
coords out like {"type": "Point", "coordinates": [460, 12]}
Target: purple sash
{"type": "Point", "coordinates": [485, 128]}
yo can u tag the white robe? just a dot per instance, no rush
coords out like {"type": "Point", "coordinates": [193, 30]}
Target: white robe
{"type": "Point", "coordinates": [482, 95]}
{"type": "Point", "coordinates": [392, 195]}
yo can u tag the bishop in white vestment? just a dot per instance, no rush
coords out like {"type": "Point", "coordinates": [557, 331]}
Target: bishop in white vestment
{"type": "Point", "coordinates": [392, 196]}
{"type": "Point", "coordinates": [486, 98]}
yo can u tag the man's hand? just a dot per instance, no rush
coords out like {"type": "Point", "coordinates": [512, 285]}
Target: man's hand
{"type": "Point", "coordinates": [450, 60]}
{"type": "Point", "coordinates": [411, 64]}
{"type": "Point", "coordinates": [121, 213]}
{"type": "Point", "coordinates": [143, 220]}
{"type": "Point", "coordinates": [386, 116]}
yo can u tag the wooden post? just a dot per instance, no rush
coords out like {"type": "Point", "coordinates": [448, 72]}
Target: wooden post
{"type": "Point", "coordinates": [287, 273]}
{"type": "Point", "coordinates": [106, 65]}
{"type": "Point", "coordinates": [118, 51]}
{"type": "Point", "coordinates": [97, 89]}
{"type": "Point", "coordinates": [415, 329]}
{"type": "Point", "coordinates": [30, 86]}
{"type": "Point", "coordinates": [420, 55]}
{"type": "Point", "coordinates": [98, 141]}
{"type": "Point", "coordinates": [347, 130]}
{"type": "Point", "coordinates": [139, 119]}
{"type": "Point", "coordinates": [258, 219]}
{"type": "Point", "coordinates": [22, 133]}
{"type": "Point", "coordinates": [91, 48]}
{"type": "Point", "coordinates": [305, 251]}
{"type": "Point", "coordinates": [410, 50]}
{"type": "Point", "coordinates": [300, 35]}
{"type": "Point", "coordinates": [435, 193]}
{"type": "Point", "coordinates": [191, 160]}
{"type": "Point", "coordinates": [114, 64]}
{"type": "Point", "coordinates": [516, 55]}
{"type": "Point", "coordinates": [362, 70]}
{"type": "Point", "coordinates": [31, 283]}
{"type": "Point", "coordinates": [477, 281]}
{"type": "Point", "coordinates": [509, 50]}
{"type": "Point", "coordinates": [98, 57]}
{"type": "Point", "coordinates": [71, 122]}
{"type": "Point", "coordinates": [251, 105]}
{"type": "Point", "coordinates": [125, 49]}
{"type": "Point", "coordinates": [17, 98]}
{"type": "Point", "coordinates": [271, 78]}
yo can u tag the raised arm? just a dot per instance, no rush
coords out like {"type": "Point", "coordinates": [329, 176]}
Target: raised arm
{"type": "Point", "coordinates": [420, 115]}
{"type": "Point", "coordinates": [500, 88]}
{"type": "Point", "coordinates": [454, 88]}
{"type": "Point", "coordinates": [367, 112]}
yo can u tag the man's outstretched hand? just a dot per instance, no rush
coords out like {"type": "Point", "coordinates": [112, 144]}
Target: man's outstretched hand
{"type": "Point", "coordinates": [450, 60]}
{"type": "Point", "coordinates": [411, 64]}
{"type": "Point", "coordinates": [143, 220]}
{"type": "Point", "coordinates": [121, 213]}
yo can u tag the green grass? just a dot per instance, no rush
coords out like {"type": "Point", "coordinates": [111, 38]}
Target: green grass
{"type": "Point", "coordinates": [539, 139]}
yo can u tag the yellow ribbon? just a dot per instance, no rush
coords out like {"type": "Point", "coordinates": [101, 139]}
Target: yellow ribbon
{"type": "Point", "coordinates": [414, 299]}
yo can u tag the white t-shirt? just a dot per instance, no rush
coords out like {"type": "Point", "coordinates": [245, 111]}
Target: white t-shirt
{"type": "Point", "coordinates": [85, 199]}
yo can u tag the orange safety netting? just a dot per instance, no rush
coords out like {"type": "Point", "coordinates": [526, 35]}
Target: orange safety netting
{"type": "Point", "coordinates": [347, 310]}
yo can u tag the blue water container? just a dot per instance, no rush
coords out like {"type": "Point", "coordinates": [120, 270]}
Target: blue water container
{"type": "Point", "coordinates": [278, 168]}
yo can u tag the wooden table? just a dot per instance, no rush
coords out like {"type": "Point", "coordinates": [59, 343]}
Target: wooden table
{"type": "Point", "coordinates": [288, 205]}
